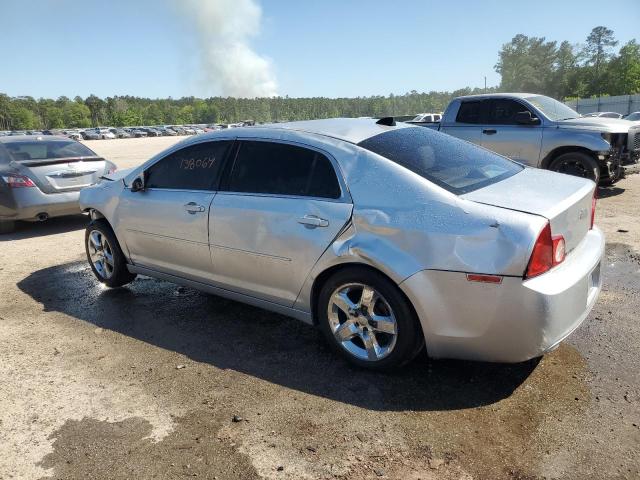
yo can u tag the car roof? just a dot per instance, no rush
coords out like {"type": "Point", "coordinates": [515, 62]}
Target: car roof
{"type": "Point", "coordinates": [32, 138]}
{"type": "Point", "coordinates": [352, 130]}
{"type": "Point", "coordinates": [500, 95]}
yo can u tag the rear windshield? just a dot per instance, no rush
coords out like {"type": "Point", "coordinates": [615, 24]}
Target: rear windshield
{"type": "Point", "coordinates": [453, 164]}
{"type": "Point", "coordinates": [47, 149]}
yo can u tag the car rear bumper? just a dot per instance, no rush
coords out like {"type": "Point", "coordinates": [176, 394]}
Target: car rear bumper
{"type": "Point", "coordinates": [28, 203]}
{"type": "Point", "coordinates": [512, 321]}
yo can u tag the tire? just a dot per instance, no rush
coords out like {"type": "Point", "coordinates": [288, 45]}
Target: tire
{"type": "Point", "coordinates": [105, 256]}
{"type": "Point", "coordinates": [397, 333]}
{"type": "Point", "coordinates": [7, 226]}
{"type": "Point", "coordinates": [578, 164]}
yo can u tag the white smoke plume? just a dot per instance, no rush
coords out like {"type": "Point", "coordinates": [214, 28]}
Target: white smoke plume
{"type": "Point", "coordinates": [224, 29]}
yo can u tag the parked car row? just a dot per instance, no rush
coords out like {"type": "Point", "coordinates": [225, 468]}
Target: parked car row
{"type": "Point", "coordinates": [104, 133]}
{"type": "Point", "coordinates": [633, 117]}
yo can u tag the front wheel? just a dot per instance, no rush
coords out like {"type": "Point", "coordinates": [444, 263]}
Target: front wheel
{"type": "Point", "coordinates": [367, 320]}
{"type": "Point", "coordinates": [578, 164]}
{"type": "Point", "coordinates": [105, 256]}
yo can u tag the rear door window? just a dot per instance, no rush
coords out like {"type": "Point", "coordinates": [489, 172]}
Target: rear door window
{"type": "Point", "coordinates": [503, 111]}
{"type": "Point", "coordinates": [282, 169]}
{"type": "Point", "coordinates": [470, 112]}
{"type": "Point", "coordinates": [196, 167]}
{"type": "Point", "coordinates": [453, 164]}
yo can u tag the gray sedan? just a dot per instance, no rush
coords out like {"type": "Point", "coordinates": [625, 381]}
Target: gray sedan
{"type": "Point", "coordinates": [388, 237]}
{"type": "Point", "coordinates": [41, 177]}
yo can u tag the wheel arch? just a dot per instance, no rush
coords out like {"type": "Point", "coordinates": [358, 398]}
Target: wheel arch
{"type": "Point", "coordinates": [94, 213]}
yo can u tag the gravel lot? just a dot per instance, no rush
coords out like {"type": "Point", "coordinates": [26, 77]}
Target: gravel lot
{"type": "Point", "coordinates": [144, 381]}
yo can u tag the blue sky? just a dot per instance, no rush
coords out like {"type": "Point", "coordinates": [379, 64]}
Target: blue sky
{"type": "Point", "coordinates": [316, 48]}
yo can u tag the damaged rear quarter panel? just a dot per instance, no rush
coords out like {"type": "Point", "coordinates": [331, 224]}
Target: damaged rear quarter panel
{"type": "Point", "coordinates": [403, 224]}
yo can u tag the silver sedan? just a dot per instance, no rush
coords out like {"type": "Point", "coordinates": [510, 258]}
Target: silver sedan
{"type": "Point", "coordinates": [388, 237]}
{"type": "Point", "coordinates": [41, 177]}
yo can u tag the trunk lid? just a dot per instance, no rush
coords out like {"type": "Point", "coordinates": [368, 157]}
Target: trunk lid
{"type": "Point", "coordinates": [563, 199]}
{"type": "Point", "coordinates": [63, 174]}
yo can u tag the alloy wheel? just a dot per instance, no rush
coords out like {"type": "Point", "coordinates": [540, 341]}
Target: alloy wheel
{"type": "Point", "coordinates": [100, 253]}
{"type": "Point", "coordinates": [362, 321]}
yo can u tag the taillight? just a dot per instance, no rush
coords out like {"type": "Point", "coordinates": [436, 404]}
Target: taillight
{"type": "Point", "coordinates": [18, 181]}
{"type": "Point", "coordinates": [547, 252]}
{"type": "Point", "coordinates": [593, 207]}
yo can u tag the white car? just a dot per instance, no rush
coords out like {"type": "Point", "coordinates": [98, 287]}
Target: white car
{"type": "Point", "coordinates": [104, 133]}
{"type": "Point", "coordinates": [427, 118]}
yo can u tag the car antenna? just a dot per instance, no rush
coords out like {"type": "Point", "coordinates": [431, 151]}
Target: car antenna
{"type": "Point", "coordinates": [388, 121]}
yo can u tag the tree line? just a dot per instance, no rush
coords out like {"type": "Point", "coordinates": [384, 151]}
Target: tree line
{"type": "Point", "coordinates": [526, 64]}
{"type": "Point", "coordinates": [27, 113]}
{"type": "Point", "coordinates": [562, 70]}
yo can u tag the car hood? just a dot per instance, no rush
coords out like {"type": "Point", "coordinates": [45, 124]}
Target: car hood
{"type": "Point", "coordinates": [611, 125]}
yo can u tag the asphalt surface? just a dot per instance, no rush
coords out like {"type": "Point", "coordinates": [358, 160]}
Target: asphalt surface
{"type": "Point", "coordinates": [145, 381]}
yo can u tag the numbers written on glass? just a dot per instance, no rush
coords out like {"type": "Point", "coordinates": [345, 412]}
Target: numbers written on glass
{"type": "Point", "coordinates": [197, 163]}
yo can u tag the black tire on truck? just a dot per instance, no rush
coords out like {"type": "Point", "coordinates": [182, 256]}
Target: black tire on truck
{"type": "Point", "coordinates": [579, 164]}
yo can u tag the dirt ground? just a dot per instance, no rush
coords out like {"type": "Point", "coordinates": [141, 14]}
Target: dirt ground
{"type": "Point", "coordinates": [144, 381]}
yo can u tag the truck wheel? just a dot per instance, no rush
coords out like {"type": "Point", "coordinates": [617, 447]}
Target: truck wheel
{"type": "Point", "coordinates": [7, 226]}
{"type": "Point", "coordinates": [577, 164]}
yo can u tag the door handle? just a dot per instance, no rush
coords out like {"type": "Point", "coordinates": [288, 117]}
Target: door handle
{"type": "Point", "coordinates": [311, 221]}
{"type": "Point", "coordinates": [193, 208]}
{"type": "Point", "coordinates": [489, 132]}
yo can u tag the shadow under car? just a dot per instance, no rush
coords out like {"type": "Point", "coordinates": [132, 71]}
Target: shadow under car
{"type": "Point", "coordinates": [274, 348]}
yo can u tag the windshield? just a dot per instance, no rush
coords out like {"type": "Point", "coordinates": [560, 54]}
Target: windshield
{"type": "Point", "coordinates": [553, 109]}
{"type": "Point", "coordinates": [43, 150]}
{"type": "Point", "coordinates": [633, 116]}
{"type": "Point", "coordinates": [453, 164]}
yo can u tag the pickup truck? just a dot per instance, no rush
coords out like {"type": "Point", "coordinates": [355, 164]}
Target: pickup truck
{"type": "Point", "coordinates": [541, 132]}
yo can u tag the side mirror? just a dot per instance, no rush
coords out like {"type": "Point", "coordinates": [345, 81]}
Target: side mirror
{"type": "Point", "coordinates": [525, 118]}
{"type": "Point", "coordinates": [137, 185]}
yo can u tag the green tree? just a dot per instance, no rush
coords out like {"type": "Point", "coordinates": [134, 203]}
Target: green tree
{"type": "Point", "coordinates": [76, 114]}
{"type": "Point", "coordinates": [623, 74]}
{"type": "Point", "coordinates": [526, 64]}
{"type": "Point", "coordinates": [97, 108]}
{"type": "Point", "coordinates": [23, 119]}
{"type": "Point", "coordinates": [597, 52]}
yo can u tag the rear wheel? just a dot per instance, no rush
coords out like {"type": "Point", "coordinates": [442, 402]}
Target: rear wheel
{"type": "Point", "coordinates": [578, 164]}
{"type": "Point", "coordinates": [107, 261]}
{"type": "Point", "coordinates": [7, 226]}
{"type": "Point", "coordinates": [367, 320]}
